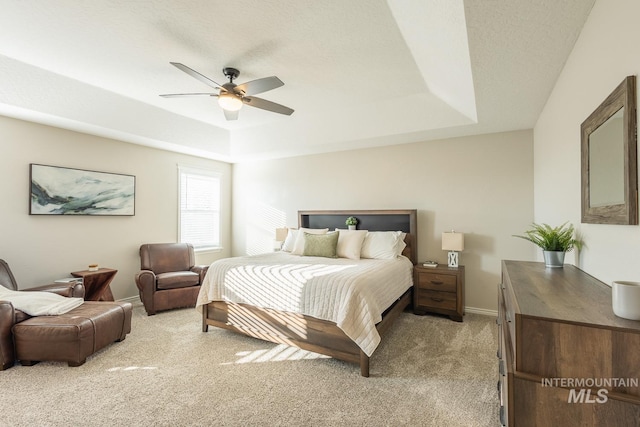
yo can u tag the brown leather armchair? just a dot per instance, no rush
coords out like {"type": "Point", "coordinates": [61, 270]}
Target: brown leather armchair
{"type": "Point", "coordinates": [69, 337]}
{"type": "Point", "coordinates": [169, 277]}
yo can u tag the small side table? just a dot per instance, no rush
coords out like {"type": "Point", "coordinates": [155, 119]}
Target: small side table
{"type": "Point", "coordinates": [439, 290]}
{"type": "Point", "coordinates": [96, 283]}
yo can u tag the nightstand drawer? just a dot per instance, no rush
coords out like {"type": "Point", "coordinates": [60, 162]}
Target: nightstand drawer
{"type": "Point", "coordinates": [439, 290]}
{"type": "Point", "coordinates": [436, 299]}
{"type": "Point", "coordinates": [437, 282]}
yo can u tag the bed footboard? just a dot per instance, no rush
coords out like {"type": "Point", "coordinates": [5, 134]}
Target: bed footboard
{"type": "Point", "coordinates": [305, 332]}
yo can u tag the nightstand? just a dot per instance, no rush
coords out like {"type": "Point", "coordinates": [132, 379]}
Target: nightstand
{"type": "Point", "coordinates": [439, 290]}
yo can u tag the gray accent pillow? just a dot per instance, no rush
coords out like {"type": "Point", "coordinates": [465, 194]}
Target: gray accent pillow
{"type": "Point", "coordinates": [323, 245]}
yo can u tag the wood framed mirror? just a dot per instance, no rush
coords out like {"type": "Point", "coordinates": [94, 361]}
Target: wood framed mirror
{"type": "Point", "coordinates": [609, 159]}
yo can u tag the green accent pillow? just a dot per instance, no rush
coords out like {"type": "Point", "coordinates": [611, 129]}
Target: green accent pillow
{"type": "Point", "coordinates": [321, 244]}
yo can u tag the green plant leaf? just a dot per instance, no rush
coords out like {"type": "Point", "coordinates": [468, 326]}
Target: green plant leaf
{"type": "Point", "coordinates": [560, 238]}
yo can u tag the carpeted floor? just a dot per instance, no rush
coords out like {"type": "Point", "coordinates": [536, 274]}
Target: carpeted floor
{"type": "Point", "coordinates": [429, 371]}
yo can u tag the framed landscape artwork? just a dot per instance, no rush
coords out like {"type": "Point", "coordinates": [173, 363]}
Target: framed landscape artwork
{"type": "Point", "coordinates": [66, 191]}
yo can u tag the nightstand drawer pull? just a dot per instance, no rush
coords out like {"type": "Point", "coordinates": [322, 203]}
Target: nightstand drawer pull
{"type": "Point", "coordinates": [438, 282]}
{"type": "Point", "coordinates": [437, 299]}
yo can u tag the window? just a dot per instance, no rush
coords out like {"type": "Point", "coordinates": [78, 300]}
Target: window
{"type": "Point", "coordinates": [199, 216]}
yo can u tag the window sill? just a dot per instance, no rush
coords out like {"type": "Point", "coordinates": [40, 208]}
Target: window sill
{"type": "Point", "coordinates": [210, 249]}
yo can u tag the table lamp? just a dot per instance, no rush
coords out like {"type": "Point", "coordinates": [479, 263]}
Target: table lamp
{"type": "Point", "coordinates": [281, 236]}
{"type": "Point", "coordinates": [454, 243]}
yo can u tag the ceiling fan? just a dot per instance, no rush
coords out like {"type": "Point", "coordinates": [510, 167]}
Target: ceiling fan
{"type": "Point", "coordinates": [231, 97]}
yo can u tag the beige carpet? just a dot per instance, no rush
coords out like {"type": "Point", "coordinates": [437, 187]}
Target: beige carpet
{"type": "Point", "coordinates": [429, 371]}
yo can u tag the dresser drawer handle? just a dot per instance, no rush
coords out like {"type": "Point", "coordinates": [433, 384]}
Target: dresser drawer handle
{"type": "Point", "coordinates": [437, 299]}
{"type": "Point", "coordinates": [436, 282]}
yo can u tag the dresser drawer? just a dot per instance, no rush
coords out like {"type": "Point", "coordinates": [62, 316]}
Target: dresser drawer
{"type": "Point", "coordinates": [505, 366]}
{"type": "Point", "coordinates": [437, 282]}
{"type": "Point", "coordinates": [509, 319]}
{"type": "Point", "coordinates": [436, 299]}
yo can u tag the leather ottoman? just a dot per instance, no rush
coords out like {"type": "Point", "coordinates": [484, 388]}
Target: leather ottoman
{"type": "Point", "coordinates": [73, 336]}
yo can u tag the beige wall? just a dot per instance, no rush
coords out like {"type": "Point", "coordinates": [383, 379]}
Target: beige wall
{"type": "Point", "coordinates": [480, 185]}
{"type": "Point", "coordinates": [42, 248]}
{"type": "Point", "coordinates": [602, 58]}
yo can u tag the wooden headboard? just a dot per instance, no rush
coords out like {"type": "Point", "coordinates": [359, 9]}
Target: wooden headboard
{"type": "Point", "coordinates": [404, 220]}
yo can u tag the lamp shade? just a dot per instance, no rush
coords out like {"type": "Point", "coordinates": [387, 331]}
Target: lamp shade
{"type": "Point", "coordinates": [281, 234]}
{"type": "Point", "coordinates": [453, 241]}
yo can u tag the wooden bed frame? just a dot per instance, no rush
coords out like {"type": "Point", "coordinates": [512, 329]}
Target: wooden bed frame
{"type": "Point", "coordinates": [307, 332]}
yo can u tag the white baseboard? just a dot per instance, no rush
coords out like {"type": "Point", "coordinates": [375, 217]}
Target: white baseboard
{"type": "Point", "coordinates": [483, 311]}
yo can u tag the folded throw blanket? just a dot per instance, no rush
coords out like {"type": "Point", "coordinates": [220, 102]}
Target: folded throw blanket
{"type": "Point", "coordinates": [39, 303]}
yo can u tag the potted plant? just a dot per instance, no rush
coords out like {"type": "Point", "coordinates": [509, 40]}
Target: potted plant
{"type": "Point", "coordinates": [554, 241]}
{"type": "Point", "coordinates": [351, 222]}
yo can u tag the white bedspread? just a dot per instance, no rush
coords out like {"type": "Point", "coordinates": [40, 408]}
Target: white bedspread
{"type": "Point", "coordinates": [39, 303]}
{"type": "Point", "coordinates": [351, 293]}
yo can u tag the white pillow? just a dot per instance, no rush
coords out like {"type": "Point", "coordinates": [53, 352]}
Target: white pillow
{"type": "Point", "coordinates": [350, 243]}
{"type": "Point", "coordinates": [290, 240]}
{"type": "Point", "coordinates": [401, 244]}
{"type": "Point", "coordinates": [298, 246]}
{"type": "Point", "coordinates": [382, 244]}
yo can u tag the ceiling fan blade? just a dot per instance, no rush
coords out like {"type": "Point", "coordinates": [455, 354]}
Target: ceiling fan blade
{"type": "Point", "coordinates": [193, 73]}
{"type": "Point", "coordinates": [260, 85]}
{"type": "Point", "coordinates": [231, 115]}
{"type": "Point", "coordinates": [181, 95]}
{"type": "Point", "coordinates": [254, 101]}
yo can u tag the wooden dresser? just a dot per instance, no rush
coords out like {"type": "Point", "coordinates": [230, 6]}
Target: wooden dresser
{"type": "Point", "coordinates": [564, 358]}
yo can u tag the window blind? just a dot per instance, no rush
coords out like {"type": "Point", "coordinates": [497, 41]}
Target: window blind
{"type": "Point", "coordinates": [199, 207]}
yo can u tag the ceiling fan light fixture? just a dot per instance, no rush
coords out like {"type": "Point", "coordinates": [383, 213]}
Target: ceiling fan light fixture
{"type": "Point", "coordinates": [231, 96]}
{"type": "Point", "coordinates": [229, 102]}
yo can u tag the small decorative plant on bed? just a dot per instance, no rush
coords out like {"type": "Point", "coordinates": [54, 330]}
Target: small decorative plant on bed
{"type": "Point", "coordinates": [351, 222]}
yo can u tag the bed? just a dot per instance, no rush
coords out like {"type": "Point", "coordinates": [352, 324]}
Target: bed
{"type": "Point", "coordinates": [382, 291]}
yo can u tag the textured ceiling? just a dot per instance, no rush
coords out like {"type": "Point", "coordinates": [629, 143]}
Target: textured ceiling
{"type": "Point", "coordinates": [358, 73]}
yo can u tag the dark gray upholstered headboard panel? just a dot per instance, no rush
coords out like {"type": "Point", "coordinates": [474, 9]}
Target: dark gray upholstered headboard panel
{"type": "Point", "coordinates": [404, 220]}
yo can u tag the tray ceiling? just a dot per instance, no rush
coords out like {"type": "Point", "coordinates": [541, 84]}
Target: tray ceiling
{"type": "Point", "coordinates": [358, 74]}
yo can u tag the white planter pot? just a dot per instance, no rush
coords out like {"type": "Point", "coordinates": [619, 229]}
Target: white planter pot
{"type": "Point", "coordinates": [625, 299]}
{"type": "Point", "coordinates": [553, 259]}
{"type": "Point", "coordinates": [351, 227]}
